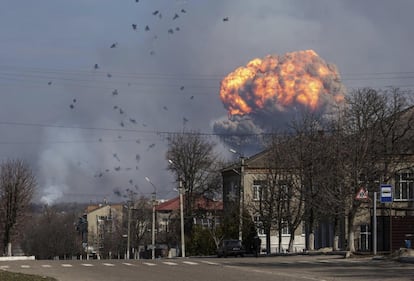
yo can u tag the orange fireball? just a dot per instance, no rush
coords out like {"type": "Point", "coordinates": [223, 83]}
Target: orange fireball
{"type": "Point", "coordinates": [280, 81]}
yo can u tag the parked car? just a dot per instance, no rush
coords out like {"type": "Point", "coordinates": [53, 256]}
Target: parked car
{"type": "Point", "coordinates": [231, 247]}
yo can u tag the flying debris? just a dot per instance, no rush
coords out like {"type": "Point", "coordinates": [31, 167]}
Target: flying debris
{"type": "Point", "coordinates": [226, 19]}
{"type": "Point", "coordinates": [152, 145]}
{"type": "Point", "coordinates": [107, 170]}
{"type": "Point", "coordinates": [116, 157]}
{"type": "Point", "coordinates": [155, 12]}
{"type": "Point", "coordinates": [122, 124]}
{"type": "Point", "coordinates": [185, 120]}
{"type": "Point", "coordinates": [144, 125]}
{"type": "Point", "coordinates": [176, 16]}
{"type": "Point", "coordinates": [114, 45]}
{"type": "Point", "coordinates": [170, 31]}
{"type": "Point", "coordinates": [177, 29]}
{"type": "Point", "coordinates": [134, 26]}
{"type": "Point", "coordinates": [147, 28]}
{"type": "Point", "coordinates": [109, 75]}
{"type": "Point", "coordinates": [96, 66]}
{"type": "Point", "coordinates": [115, 92]}
{"type": "Point", "coordinates": [49, 83]}
{"type": "Point", "coordinates": [131, 182]}
{"type": "Point", "coordinates": [165, 108]}
{"type": "Point", "coordinates": [183, 11]}
{"type": "Point", "coordinates": [71, 106]}
{"type": "Point", "coordinates": [133, 121]}
{"type": "Point", "coordinates": [152, 53]}
{"type": "Point", "coordinates": [74, 100]}
{"type": "Point", "coordinates": [182, 88]}
{"type": "Point", "coordinates": [117, 168]}
{"type": "Point", "coordinates": [119, 137]}
{"type": "Point", "coordinates": [116, 191]}
{"type": "Point", "coordinates": [121, 111]}
{"type": "Point", "coordinates": [136, 1]}
{"type": "Point", "coordinates": [138, 141]}
{"type": "Point", "coordinates": [137, 157]}
{"type": "Point", "coordinates": [192, 97]}
{"type": "Point", "coordinates": [100, 139]}
{"type": "Point", "coordinates": [115, 107]}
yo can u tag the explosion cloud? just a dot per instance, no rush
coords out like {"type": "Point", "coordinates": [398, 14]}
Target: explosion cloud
{"type": "Point", "coordinates": [266, 92]}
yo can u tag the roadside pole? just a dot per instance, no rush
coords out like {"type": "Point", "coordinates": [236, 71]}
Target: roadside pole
{"type": "Point", "coordinates": [374, 227]}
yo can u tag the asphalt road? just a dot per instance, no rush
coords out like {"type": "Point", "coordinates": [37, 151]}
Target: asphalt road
{"type": "Point", "coordinates": [282, 268]}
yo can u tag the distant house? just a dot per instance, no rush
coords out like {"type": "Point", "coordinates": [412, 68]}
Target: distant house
{"type": "Point", "coordinates": [102, 219]}
{"type": "Point", "coordinates": [206, 213]}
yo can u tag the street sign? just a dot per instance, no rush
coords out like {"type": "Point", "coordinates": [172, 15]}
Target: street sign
{"type": "Point", "coordinates": [386, 193]}
{"type": "Point", "coordinates": [362, 194]}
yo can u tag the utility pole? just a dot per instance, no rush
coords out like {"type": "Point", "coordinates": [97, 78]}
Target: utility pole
{"type": "Point", "coordinates": [154, 203]}
{"type": "Point", "coordinates": [374, 227]}
{"type": "Point", "coordinates": [241, 198]}
{"type": "Point", "coordinates": [181, 191]}
{"type": "Point", "coordinates": [241, 193]}
{"type": "Point", "coordinates": [129, 229]}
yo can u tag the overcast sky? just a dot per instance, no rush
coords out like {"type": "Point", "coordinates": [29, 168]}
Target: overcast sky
{"type": "Point", "coordinates": [90, 132]}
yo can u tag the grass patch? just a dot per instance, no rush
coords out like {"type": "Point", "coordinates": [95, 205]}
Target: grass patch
{"type": "Point", "coordinates": [12, 276]}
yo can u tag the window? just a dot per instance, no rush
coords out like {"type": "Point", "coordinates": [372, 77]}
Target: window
{"type": "Point", "coordinates": [257, 187]}
{"type": "Point", "coordinates": [256, 192]}
{"type": "Point", "coordinates": [285, 228]}
{"type": "Point", "coordinates": [259, 225]}
{"type": "Point", "coordinates": [404, 186]}
{"type": "Point", "coordinates": [364, 239]}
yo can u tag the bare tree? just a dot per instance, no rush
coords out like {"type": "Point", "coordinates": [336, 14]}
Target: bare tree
{"type": "Point", "coordinates": [17, 184]}
{"type": "Point", "coordinates": [193, 160]}
{"type": "Point", "coordinates": [52, 234]}
{"type": "Point", "coordinates": [375, 128]}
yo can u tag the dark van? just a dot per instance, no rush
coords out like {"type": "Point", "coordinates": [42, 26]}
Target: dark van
{"type": "Point", "coordinates": [231, 247]}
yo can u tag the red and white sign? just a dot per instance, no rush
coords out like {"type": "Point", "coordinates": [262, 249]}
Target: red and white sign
{"type": "Point", "coordinates": [362, 194]}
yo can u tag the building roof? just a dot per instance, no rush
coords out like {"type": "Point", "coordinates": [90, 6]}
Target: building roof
{"type": "Point", "coordinates": [201, 202]}
{"type": "Point", "coordinates": [91, 208]}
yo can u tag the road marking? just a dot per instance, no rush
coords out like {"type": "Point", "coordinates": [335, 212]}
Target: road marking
{"type": "Point", "coordinates": [25, 266]}
{"type": "Point", "coordinates": [190, 262]}
{"type": "Point", "coordinates": [170, 263]}
{"type": "Point", "coordinates": [128, 264]}
{"type": "Point", "coordinates": [4, 267]}
{"type": "Point", "coordinates": [46, 265]}
{"type": "Point", "coordinates": [149, 264]}
{"type": "Point", "coordinates": [66, 265]}
{"type": "Point", "coordinates": [108, 264]}
{"type": "Point", "coordinates": [87, 264]}
{"type": "Point", "coordinates": [209, 262]}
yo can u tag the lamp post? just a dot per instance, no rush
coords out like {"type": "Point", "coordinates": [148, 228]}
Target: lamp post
{"type": "Point", "coordinates": [129, 229]}
{"type": "Point", "coordinates": [154, 201]}
{"type": "Point", "coordinates": [241, 199]}
{"type": "Point", "coordinates": [181, 191]}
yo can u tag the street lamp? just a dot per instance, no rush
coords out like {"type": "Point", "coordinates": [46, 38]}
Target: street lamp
{"type": "Point", "coordinates": [154, 201]}
{"type": "Point", "coordinates": [241, 199]}
{"type": "Point", "coordinates": [181, 191]}
{"type": "Point", "coordinates": [129, 229]}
